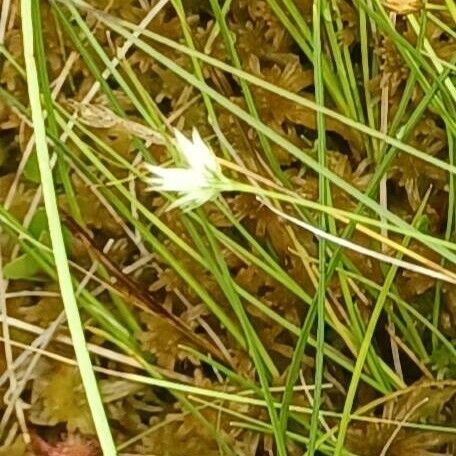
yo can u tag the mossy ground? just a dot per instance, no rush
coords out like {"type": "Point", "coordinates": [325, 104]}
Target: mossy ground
{"type": "Point", "coordinates": [158, 290]}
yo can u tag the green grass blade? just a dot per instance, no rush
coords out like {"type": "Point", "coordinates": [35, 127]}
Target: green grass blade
{"type": "Point", "coordinates": [61, 261]}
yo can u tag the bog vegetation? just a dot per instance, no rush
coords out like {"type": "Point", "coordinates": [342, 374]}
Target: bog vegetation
{"type": "Point", "coordinates": [227, 227]}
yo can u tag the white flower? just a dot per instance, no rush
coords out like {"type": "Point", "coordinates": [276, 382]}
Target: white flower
{"type": "Point", "coordinates": [199, 182]}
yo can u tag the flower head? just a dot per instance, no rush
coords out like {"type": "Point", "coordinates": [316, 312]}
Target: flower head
{"type": "Point", "coordinates": [199, 182]}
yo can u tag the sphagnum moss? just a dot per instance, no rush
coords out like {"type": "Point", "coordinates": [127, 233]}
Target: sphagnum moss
{"type": "Point", "coordinates": [288, 93]}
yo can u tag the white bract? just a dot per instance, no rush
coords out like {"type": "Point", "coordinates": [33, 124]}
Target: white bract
{"type": "Point", "coordinates": [199, 182]}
